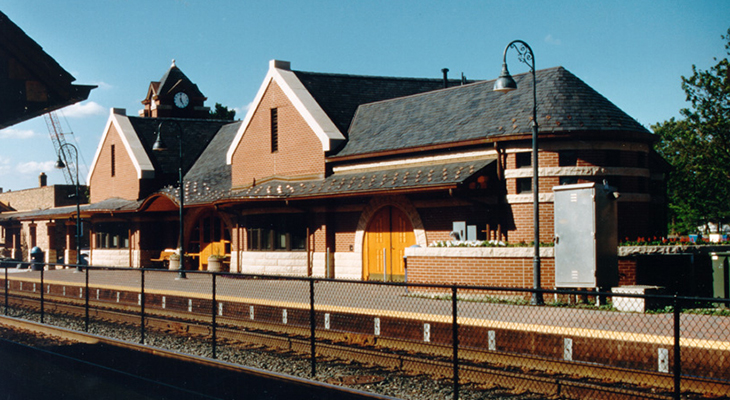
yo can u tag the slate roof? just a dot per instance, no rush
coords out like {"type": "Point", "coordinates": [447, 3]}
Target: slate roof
{"type": "Point", "coordinates": [474, 111]}
{"type": "Point", "coordinates": [339, 95]}
{"type": "Point", "coordinates": [196, 134]}
{"type": "Point", "coordinates": [373, 181]}
{"type": "Point", "coordinates": [210, 178]}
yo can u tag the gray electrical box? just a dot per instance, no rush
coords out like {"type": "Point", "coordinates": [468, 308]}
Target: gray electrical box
{"type": "Point", "coordinates": [586, 236]}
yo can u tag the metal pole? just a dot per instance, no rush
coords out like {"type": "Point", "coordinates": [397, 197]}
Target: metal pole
{"type": "Point", "coordinates": [312, 326]}
{"type": "Point", "coordinates": [527, 57]}
{"type": "Point", "coordinates": [86, 300]}
{"type": "Point", "coordinates": [141, 306]}
{"type": "Point", "coordinates": [536, 296]}
{"type": "Point", "coordinates": [677, 349]}
{"type": "Point", "coordinates": [6, 290]}
{"type": "Point", "coordinates": [455, 340]}
{"type": "Point", "coordinates": [43, 309]}
{"type": "Point", "coordinates": [214, 312]}
{"type": "Point", "coordinates": [181, 273]}
{"type": "Point", "coordinates": [60, 164]}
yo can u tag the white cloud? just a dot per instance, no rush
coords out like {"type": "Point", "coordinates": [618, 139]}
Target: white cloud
{"type": "Point", "coordinates": [242, 111]}
{"type": "Point", "coordinates": [103, 85]}
{"type": "Point", "coordinates": [5, 167]}
{"type": "Point", "coordinates": [32, 167]}
{"type": "Point", "coordinates": [549, 39]}
{"type": "Point", "coordinates": [11, 133]}
{"type": "Point", "coordinates": [85, 109]}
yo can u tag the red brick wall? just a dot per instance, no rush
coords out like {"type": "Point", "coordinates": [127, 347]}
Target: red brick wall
{"type": "Point", "coordinates": [300, 151]}
{"type": "Point", "coordinates": [626, 271]}
{"type": "Point", "coordinates": [345, 225]}
{"type": "Point", "coordinates": [124, 184]}
{"type": "Point", "coordinates": [481, 271]}
{"type": "Point", "coordinates": [522, 214]}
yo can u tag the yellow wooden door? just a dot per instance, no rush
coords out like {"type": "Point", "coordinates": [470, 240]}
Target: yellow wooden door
{"type": "Point", "coordinates": [386, 237]}
{"type": "Point", "coordinates": [401, 236]}
{"type": "Point", "coordinates": [212, 238]}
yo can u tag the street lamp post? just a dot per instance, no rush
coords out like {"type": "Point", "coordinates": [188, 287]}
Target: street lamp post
{"type": "Point", "coordinates": [504, 84]}
{"type": "Point", "coordinates": [159, 145]}
{"type": "Point", "coordinates": [60, 165]}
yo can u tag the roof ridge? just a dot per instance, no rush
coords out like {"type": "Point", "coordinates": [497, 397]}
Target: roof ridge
{"type": "Point", "coordinates": [357, 76]}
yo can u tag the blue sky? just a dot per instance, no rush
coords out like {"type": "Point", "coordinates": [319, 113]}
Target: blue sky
{"type": "Point", "coordinates": [632, 52]}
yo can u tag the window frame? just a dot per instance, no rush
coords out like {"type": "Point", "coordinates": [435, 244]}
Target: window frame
{"type": "Point", "coordinates": [276, 232]}
{"type": "Point", "coordinates": [111, 235]}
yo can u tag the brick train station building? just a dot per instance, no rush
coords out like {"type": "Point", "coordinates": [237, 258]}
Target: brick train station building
{"type": "Point", "coordinates": [335, 175]}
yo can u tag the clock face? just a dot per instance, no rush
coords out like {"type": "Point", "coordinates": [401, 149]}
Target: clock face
{"type": "Point", "coordinates": [181, 100]}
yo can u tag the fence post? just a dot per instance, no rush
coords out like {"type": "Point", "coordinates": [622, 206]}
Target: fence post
{"type": "Point", "coordinates": [43, 308]}
{"type": "Point", "coordinates": [86, 300]}
{"type": "Point", "coordinates": [312, 322]}
{"type": "Point", "coordinates": [7, 286]}
{"type": "Point", "coordinates": [141, 306]}
{"type": "Point", "coordinates": [677, 349]}
{"type": "Point", "coordinates": [455, 340]}
{"type": "Point", "coordinates": [214, 312]}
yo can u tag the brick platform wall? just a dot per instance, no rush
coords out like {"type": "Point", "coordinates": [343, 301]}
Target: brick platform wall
{"type": "Point", "coordinates": [510, 267]}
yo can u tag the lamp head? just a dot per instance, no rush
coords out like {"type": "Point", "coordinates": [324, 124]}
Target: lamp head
{"type": "Point", "coordinates": [504, 83]}
{"type": "Point", "coordinates": [59, 163]}
{"type": "Point", "coordinates": [159, 144]}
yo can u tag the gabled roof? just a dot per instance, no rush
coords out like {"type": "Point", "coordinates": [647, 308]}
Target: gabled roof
{"type": "Point", "coordinates": [474, 111]}
{"type": "Point", "coordinates": [139, 134]}
{"type": "Point", "coordinates": [51, 85]}
{"type": "Point", "coordinates": [327, 102]}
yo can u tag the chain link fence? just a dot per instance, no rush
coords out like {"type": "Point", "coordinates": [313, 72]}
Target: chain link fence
{"type": "Point", "coordinates": [578, 344]}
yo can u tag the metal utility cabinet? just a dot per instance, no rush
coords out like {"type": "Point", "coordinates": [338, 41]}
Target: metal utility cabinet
{"type": "Point", "coordinates": [586, 236]}
{"type": "Point", "coordinates": [721, 275]}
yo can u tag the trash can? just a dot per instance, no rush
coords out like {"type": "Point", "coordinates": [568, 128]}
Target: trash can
{"type": "Point", "coordinates": [36, 259]}
{"type": "Point", "coordinates": [721, 277]}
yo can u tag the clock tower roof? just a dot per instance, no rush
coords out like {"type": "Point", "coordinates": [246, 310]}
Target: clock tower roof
{"type": "Point", "coordinates": [160, 99]}
{"type": "Point", "coordinates": [174, 81]}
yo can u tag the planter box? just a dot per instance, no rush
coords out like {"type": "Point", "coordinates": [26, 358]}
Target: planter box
{"type": "Point", "coordinates": [636, 304]}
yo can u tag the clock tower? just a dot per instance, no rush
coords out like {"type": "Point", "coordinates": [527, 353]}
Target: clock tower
{"type": "Point", "coordinates": [174, 96]}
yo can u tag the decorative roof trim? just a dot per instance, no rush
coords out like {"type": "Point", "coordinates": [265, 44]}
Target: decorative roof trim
{"type": "Point", "coordinates": [302, 100]}
{"type": "Point", "coordinates": [132, 144]}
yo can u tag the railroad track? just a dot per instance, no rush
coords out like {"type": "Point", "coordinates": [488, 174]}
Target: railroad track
{"type": "Point", "coordinates": [537, 374]}
{"type": "Point", "coordinates": [92, 370]}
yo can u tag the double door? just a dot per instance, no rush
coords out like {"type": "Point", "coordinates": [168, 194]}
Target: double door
{"type": "Point", "coordinates": [386, 238]}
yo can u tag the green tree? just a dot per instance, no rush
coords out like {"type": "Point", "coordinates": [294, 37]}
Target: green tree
{"type": "Point", "coordinates": [222, 112]}
{"type": "Point", "coordinates": [698, 148]}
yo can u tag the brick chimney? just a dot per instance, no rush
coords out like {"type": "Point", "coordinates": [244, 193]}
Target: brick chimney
{"type": "Point", "coordinates": [42, 180]}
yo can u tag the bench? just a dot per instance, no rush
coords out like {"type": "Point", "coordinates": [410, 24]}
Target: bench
{"type": "Point", "coordinates": [164, 257]}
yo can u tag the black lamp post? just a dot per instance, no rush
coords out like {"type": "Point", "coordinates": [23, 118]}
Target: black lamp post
{"type": "Point", "coordinates": [504, 84]}
{"type": "Point", "coordinates": [159, 145]}
{"type": "Point", "coordinates": [60, 165]}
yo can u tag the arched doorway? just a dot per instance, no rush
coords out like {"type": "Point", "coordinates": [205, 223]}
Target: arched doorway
{"type": "Point", "coordinates": [388, 234]}
{"type": "Point", "coordinates": [210, 236]}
